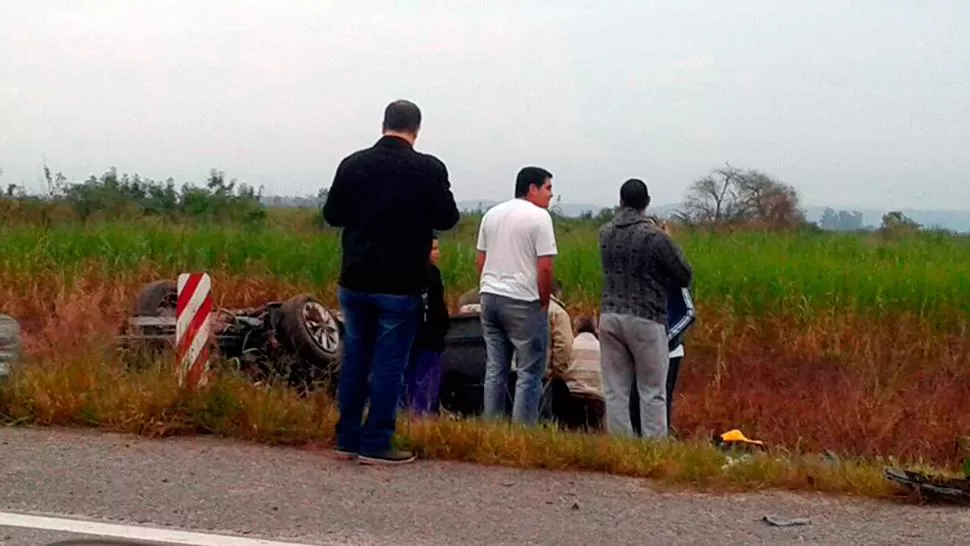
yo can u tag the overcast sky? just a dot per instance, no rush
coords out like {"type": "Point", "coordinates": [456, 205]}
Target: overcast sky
{"type": "Point", "coordinates": [854, 102]}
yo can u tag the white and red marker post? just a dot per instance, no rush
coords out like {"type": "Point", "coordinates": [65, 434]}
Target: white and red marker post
{"type": "Point", "coordinates": [192, 329]}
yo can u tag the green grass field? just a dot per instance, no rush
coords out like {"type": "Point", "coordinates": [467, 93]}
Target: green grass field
{"type": "Point", "coordinates": [751, 273]}
{"type": "Point", "coordinates": [855, 343]}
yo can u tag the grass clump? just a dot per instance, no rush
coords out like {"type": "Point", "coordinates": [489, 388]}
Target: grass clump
{"type": "Point", "coordinates": [86, 392]}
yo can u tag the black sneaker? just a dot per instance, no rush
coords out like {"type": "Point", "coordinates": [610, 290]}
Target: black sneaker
{"type": "Point", "coordinates": [345, 454]}
{"type": "Point", "coordinates": [391, 456]}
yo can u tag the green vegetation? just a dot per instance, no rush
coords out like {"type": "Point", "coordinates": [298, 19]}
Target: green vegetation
{"type": "Point", "coordinates": [810, 340]}
{"type": "Point", "coordinates": [751, 273]}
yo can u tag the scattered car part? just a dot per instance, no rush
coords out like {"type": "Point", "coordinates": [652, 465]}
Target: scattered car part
{"type": "Point", "coordinates": [10, 343]}
{"type": "Point", "coordinates": [934, 487]}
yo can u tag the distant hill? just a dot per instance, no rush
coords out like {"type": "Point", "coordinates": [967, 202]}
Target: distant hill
{"type": "Point", "coordinates": [568, 209]}
{"type": "Point", "coordinates": [957, 220]}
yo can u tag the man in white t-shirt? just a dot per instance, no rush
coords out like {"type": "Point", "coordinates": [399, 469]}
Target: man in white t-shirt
{"type": "Point", "coordinates": [516, 247]}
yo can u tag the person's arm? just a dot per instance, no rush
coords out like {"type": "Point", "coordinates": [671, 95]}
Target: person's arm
{"type": "Point", "coordinates": [546, 270]}
{"type": "Point", "coordinates": [480, 263]}
{"type": "Point", "coordinates": [444, 210]}
{"type": "Point", "coordinates": [481, 246]}
{"type": "Point", "coordinates": [336, 211]}
{"type": "Point", "coordinates": [673, 261]}
{"type": "Point", "coordinates": [546, 250]}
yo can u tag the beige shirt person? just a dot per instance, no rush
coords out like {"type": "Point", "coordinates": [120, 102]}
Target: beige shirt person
{"type": "Point", "coordinates": [560, 351]}
{"type": "Point", "coordinates": [584, 375]}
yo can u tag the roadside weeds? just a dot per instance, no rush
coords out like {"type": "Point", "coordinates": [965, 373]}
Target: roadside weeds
{"type": "Point", "coordinates": [87, 392]}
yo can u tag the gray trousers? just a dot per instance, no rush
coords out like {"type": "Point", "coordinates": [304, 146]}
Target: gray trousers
{"type": "Point", "coordinates": [632, 348]}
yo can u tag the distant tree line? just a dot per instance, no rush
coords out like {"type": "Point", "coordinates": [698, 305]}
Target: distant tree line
{"type": "Point", "coordinates": [842, 220]}
{"type": "Point", "coordinates": [129, 196]}
{"type": "Point", "coordinates": [726, 198]}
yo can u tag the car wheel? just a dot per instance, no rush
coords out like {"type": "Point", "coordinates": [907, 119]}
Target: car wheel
{"type": "Point", "coordinates": [157, 299]}
{"type": "Point", "coordinates": [312, 332]}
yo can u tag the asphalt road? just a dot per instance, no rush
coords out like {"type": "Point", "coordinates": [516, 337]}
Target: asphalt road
{"type": "Point", "coordinates": [244, 490]}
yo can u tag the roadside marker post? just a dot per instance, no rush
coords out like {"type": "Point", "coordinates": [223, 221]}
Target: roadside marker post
{"type": "Point", "coordinates": [192, 329]}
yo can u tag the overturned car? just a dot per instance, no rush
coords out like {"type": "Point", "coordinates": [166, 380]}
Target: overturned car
{"type": "Point", "coordinates": [297, 340]}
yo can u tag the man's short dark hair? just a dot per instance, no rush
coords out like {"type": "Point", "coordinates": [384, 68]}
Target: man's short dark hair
{"type": "Point", "coordinates": [634, 194]}
{"type": "Point", "coordinates": [403, 116]}
{"type": "Point", "coordinates": [585, 324]}
{"type": "Point", "coordinates": [530, 176]}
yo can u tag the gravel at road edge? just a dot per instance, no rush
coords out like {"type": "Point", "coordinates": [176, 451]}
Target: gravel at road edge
{"type": "Point", "coordinates": [211, 485]}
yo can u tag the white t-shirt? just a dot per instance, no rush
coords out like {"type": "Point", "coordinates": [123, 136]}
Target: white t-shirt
{"type": "Point", "coordinates": [513, 235]}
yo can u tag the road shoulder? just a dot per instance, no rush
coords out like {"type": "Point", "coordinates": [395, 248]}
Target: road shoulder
{"type": "Point", "coordinates": [223, 486]}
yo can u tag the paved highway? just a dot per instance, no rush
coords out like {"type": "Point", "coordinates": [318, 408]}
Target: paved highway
{"type": "Point", "coordinates": [60, 484]}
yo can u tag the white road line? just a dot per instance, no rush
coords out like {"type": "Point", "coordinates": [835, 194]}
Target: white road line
{"type": "Point", "coordinates": [135, 532]}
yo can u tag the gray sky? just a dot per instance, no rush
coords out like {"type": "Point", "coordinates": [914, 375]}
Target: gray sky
{"type": "Point", "coordinates": [854, 102]}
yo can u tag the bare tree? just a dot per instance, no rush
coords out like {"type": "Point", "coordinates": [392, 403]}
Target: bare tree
{"type": "Point", "coordinates": [712, 199]}
{"type": "Point", "coordinates": [768, 201]}
{"type": "Point", "coordinates": [733, 196]}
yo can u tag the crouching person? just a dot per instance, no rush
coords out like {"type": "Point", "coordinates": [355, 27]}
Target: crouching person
{"type": "Point", "coordinates": [577, 393]}
{"type": "Point", "coordinates": [422, 376]}
{"type": "Point", "coordinates": [559, 354]}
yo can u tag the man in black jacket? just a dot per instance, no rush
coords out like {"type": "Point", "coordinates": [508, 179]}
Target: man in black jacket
{"type": "Point", "coordinates": [389, 199]}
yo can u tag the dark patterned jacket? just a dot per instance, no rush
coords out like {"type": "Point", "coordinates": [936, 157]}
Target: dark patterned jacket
{"type": "Point", "coordinates": [641, 264]}
{"type": "Point", "coordinates": [435, 323]}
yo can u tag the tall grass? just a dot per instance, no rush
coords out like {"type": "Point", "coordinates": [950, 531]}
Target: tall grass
{"type": "Point", "coordinates": [852, 343]}
{"type": "Point", "coordinates": [752, 274]}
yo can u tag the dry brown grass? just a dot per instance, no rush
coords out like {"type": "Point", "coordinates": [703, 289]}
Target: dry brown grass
{"type": "Point", "coordinates": [93, 390]}
{"type": "Point", "coordinates": [829, 382]}
{"type": "Point", "coordinates": [893, 390]}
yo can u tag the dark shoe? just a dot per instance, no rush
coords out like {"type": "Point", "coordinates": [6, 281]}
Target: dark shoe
{"type": "Point", "coordinates": [345, 454]}
{"type": "Point", "coordinates": [391, 456]}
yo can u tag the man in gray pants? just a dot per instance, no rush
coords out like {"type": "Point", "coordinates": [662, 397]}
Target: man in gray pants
{"type": "Point", "coordinates": [640, 262]}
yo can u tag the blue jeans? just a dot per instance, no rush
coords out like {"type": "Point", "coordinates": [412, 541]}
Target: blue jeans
{"type": "Point", "coordinates": [379, 330]}
{"type": "Point", "coordinates": [523, 327]}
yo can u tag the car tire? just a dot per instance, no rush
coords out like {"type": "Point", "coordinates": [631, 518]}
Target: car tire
{"type": "Point", "coordinates": [312, 332]}
{"type": "Point", "coordinates": [157, 298]}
